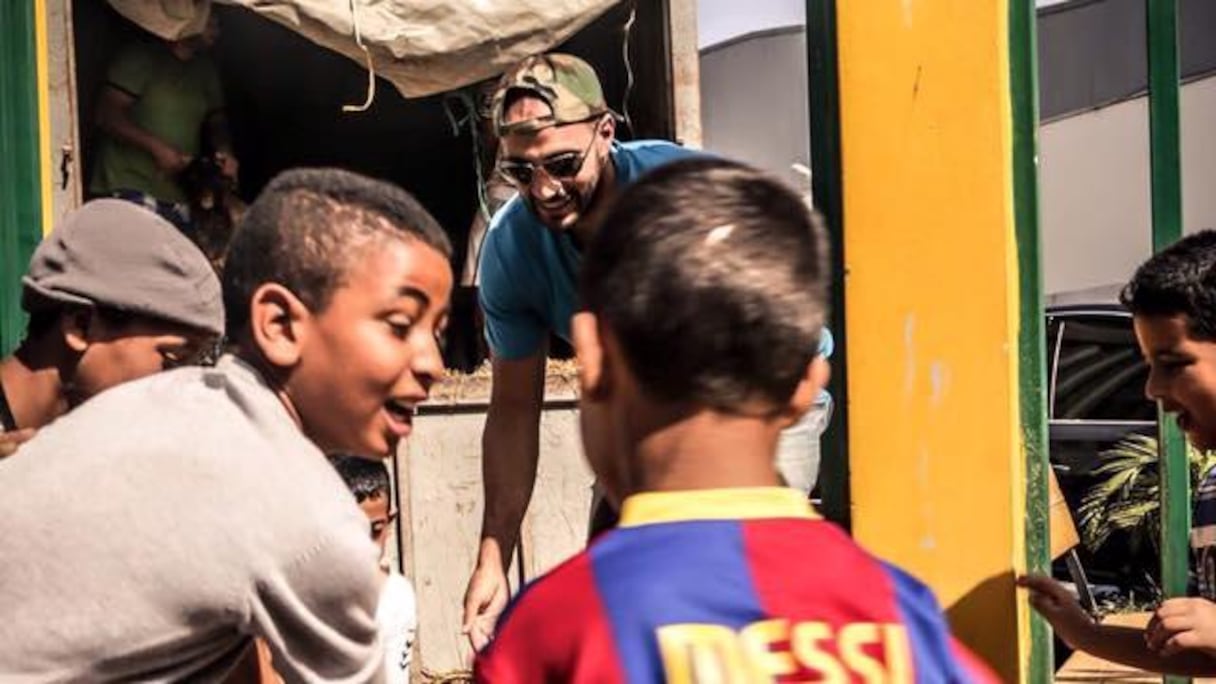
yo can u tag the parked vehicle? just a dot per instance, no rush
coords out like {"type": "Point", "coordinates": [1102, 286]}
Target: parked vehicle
{"type": "Point", "coordinates": [1096, 397]}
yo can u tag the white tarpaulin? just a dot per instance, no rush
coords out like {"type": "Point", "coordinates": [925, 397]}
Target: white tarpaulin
{"type": "Point", "coordinates": [420, 46]}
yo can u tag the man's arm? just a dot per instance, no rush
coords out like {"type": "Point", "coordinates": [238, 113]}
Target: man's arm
{"type": "Point", "coordinates": [114, 118]}
{"type": "Point", "coordinates": [510, 451]}
{"type": "Point", "coordinates": [1124, 645]}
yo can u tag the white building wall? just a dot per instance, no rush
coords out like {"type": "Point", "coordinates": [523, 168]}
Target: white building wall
{"type": "Point", "coordinates": [1094, 197]}
{"type": "Point", "coordinates": [754, 102]}
{"type": "Point", "coordinates": [1094, 167]}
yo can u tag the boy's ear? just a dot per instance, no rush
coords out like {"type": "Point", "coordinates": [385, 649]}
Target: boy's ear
{"type": "Point", "coordinates": [818, 371]}
{"type": "Point", "coordinates": [76, 324]}
{"type": "Point", "coordinates": [589, 348]}
{"type": "Point", "coordinates": [277, 320]}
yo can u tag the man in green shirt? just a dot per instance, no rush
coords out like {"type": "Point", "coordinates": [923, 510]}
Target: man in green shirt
{"type": "Point", "coordinates": [158, 100]}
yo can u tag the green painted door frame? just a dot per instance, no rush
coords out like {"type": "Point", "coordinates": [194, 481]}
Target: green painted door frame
{"type": "Point", "coordinates": [1165, 150]}
{"type": "Point", "coordinates": [20, 192]}
{"type": "Point", "coordinates": [1032, 350]}
{"type": "Point", "coordinates": [824, 114]}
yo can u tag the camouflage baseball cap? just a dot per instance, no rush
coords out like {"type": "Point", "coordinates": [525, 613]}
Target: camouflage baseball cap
{"type": "Point", "coordinates": [566, 83]}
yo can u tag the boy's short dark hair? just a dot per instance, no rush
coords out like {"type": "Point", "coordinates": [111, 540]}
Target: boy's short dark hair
{"type": "Point", "coordinates": [714, 278]}
{"type": "Point", "coordinates": [305, 230]}
{"type": "Point", "coordinates": [366, 478]}
{"type": "Point", "coordinates": [1181, 279]}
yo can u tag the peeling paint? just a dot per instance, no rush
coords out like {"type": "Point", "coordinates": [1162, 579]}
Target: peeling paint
{"type": "Point", "coordinates": [923, 457]}
{"type": "Point", "coordinates": [939, 382]}
{"type": "Point", "coordinates": [909, 355]}
{"type": "Point", "coordinates": [922, 467]}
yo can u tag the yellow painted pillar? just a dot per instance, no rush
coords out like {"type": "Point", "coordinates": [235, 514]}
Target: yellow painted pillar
{"type": "Point", "coordinates": [938, 476]}
{"type": "Point", "coordinates": [42, 78]}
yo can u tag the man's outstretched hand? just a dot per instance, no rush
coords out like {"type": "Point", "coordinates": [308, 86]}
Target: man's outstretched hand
{"type": "Point", "coordinates": [484, 600]}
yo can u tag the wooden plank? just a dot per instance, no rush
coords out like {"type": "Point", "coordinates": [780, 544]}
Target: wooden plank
{"type": "Point", "coordinates": [685, 71]}
{"type": "Point", "coordinates": [556, 525]}
{"type": "Point", "coordinates": [441, 499]}
{"type": "Point", "coordinates": [444, 483]}
{"type": "Point", "coordinates": [1084, 667]}
{"type": "Point", "coordinates": [63, 156]}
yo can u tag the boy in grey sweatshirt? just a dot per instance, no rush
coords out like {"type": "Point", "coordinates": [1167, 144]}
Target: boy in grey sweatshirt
{"type": "Point", "coordinates": [154, 531]}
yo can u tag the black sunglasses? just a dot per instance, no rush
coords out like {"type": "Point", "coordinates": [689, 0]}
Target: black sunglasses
{"type": "Point", "coordinates": [560, 166]}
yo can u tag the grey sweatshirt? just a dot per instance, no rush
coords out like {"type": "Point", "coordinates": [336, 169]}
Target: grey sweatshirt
{"type": "Point", "coordinates": [151, 532]}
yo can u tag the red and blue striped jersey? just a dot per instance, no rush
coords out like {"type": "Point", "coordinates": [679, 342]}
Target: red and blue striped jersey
{"type": "Point", "coordinates": [738, 585]}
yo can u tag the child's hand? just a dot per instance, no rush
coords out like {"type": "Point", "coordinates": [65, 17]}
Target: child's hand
{"type": "Point", "coordinates": [1058, 607]}
{"type": "Point", "coordinates": [1183, 624]}
{"type": "Point", "coordinates": [12, 440]}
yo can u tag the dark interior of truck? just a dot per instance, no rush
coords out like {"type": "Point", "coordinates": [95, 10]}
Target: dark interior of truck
{"type": "Point", "coordinates": [284, 98]}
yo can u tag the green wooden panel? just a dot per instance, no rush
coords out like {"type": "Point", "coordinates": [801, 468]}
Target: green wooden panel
{"type": "Point", "coordinates": [824, 108]}
{"type": "Point", "coordinates": [1032, 348]}
{"type": "Point", "coordinates": [20, 196]}
{"type": "Point", "coordinates": [1166, 160]}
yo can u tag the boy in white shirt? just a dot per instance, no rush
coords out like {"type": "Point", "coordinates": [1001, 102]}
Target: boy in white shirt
{"type": "Point", "coordinates": [397, 612]}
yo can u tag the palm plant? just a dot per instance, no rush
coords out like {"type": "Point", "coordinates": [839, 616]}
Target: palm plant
{"type": "Point", "coordinates": [1125, 495]}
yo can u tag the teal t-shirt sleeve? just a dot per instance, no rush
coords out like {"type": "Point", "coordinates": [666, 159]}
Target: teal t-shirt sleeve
{"type": "Point", "coordinates": [513, 330]}
{"type": "Point", "coordinates": [131, 70]}
{"type": "Point", "coordinates": [647, 155]}
{"type": "Point", "coordinates": [827, 343]}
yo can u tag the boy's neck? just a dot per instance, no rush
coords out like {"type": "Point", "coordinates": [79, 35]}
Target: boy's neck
{"type": "Point", "coordinates": [708, 450]}
{"type": "Point", "coordinates": [33, 386]}
{"type": "Point", "coordinates": [273, 378]}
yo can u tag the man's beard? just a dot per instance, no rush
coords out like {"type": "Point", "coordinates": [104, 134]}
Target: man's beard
{"type": "Point", "coordinates": [578, 201]}
{"type": "Point", "coordinates": [572, 198]}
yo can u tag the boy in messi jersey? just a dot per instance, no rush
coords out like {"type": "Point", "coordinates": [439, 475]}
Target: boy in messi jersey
{"type": "Point", "coordinates": [703, 292]}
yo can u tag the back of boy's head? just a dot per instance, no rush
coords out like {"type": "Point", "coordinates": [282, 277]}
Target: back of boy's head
{"type": "Point", "coordinates": [306, 229]}
{"type": "Point", "coordinates": [713, 277]}
{"type": "Point", "coordinates": [1181, 279]}
{"type": "Point", "coordinates": [366, 478]}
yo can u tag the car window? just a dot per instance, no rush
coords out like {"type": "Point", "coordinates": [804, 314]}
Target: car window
{"type": "Point", "coordinates": [1099, 374]}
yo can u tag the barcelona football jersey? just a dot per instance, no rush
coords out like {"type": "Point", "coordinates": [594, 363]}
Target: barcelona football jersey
{"type": "Point", "coordinates": [730, 585]}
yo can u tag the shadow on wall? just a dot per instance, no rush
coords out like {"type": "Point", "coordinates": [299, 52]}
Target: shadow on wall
{"type": "Point", "coordinates": [990, 636]}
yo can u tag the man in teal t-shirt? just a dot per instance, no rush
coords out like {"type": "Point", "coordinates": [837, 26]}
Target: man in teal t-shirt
{"type": "Point", "coordinates": [558, 148]}
{"type": "Point", "coordinates": [559, 151]}
{"type": "Point", "coordinates": [158, 97]}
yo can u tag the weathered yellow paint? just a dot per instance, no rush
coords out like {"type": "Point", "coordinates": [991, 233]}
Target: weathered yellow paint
{"type": "Point", "coordinates": [936, 455]}
{"type": "Point", "coordinates": [44, 114]}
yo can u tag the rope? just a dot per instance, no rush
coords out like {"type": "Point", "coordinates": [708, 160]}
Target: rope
{"type": "Point", "coordinates": [467, 100]}
{"type": "Point", "coordinates": [628, 31]}
{"type": "Point", "coordinates": [449, 677]}
{"type": "Point", "coordinates": [371, 68]}
{"type": "Point", "coordinates": [469, 119]}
